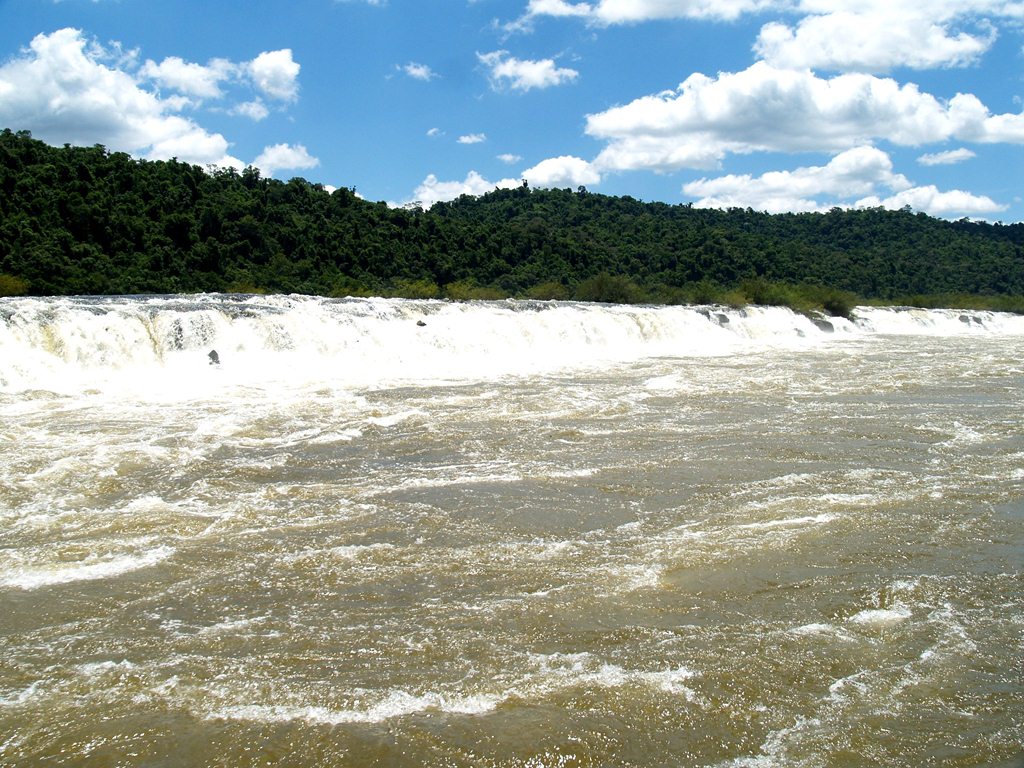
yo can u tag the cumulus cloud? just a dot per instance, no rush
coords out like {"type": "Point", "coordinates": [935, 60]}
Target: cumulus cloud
{"type": "Point", "coordinates": [418, 71]}
{"type": "Point", "coordinates": [876, 38]}
{"type": "Point", "coordinates": [255, 110]}
{"type": "Point", "coordinates": [837, 35]}
{"type": "Point", "coordinates": [472, 138]}
{"type": "Point", "coordinates": [68, 89]}
{"type": "Point", "coordinates": [931, 201]}
{"type": "Point", "coordinates": [562, 172]}
{"type": "Point", "coordinates": [609, 12]}
{"type": "Point", "coordinates": [524, 75]}
{"type": "Point", "coordinates": [508, 158]}
{"type": "Point", "coordinates": [61, 90]}
{"type": "Point", "coordinates": [852, 174]}
{"type": "Point", "coordinates": [284, 157]}
{"type": "Point", "coordinates": [554, 172]}
{"type": "Point", "coordinates": [432, 190]}
{"type": "Point", "coordinates": [952, 157]}
{"type": "Point", "coordinates": [273, 73]}
{"type": "Point", "coordinates": [276, 74]}
{"type": "Point", "coordinates": [764, 108]}
{"type": "Point", "coordinates": [195, 80]}
{"type": "Point", "coordinates": [851, 179]}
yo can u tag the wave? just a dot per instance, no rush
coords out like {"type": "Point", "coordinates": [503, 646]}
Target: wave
{"type": "Point", "coordinates": [75, 344]}
{"type": "Point", "coordinates": [92, 568]}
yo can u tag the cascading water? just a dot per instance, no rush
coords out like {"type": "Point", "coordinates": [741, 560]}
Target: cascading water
{"type": "Point", "coordinates": [161, 344]}
{"type": "Point", "coordinates": [387, 532]}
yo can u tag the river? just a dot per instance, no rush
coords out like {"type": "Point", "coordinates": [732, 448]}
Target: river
{"type": "Point", "coordinates": [402, 533]}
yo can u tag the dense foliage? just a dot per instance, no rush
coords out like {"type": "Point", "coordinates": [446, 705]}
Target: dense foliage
{"type": "Point", "coordinates": [82, 220]}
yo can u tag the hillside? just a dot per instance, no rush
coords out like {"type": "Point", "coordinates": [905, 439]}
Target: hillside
{"type": "Point", "coordinates": [82, 220]}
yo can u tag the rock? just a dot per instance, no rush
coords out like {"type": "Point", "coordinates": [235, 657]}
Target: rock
{"type": "Point", "coordinates": [214, 357]}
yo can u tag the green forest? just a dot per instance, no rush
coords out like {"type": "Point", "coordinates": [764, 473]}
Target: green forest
{"type": "Point", "coordinates": [84, 220]}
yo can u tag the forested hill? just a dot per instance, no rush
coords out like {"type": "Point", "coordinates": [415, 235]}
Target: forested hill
{"type": "Point", "coordinates": [82, 220]}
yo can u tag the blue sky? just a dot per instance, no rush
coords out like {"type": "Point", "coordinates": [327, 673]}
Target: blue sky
{"type": "Point", "coordinates": [779, 105]}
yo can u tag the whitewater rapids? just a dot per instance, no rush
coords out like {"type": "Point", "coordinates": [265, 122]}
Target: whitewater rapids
{"type": "Point", "coordinates": [388, 532]}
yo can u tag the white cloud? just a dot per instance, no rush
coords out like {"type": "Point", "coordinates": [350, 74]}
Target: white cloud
{"type": "Point", "coordinates": [272, 73]}
{"type": "Point", "coordinates": [276, 74]}
{"type": "Point", "coordinates": [837, 35]}
{"type": "Point", "coordinates": [508, 158]}
{"type": "Point", "coordinates": [255, 110]}
{"type": "Point", "coordinates": [609, 12]}
{"type": "Point", "coordinates": [562, 172]}
{"type": "Point", "coordinates": [196, 80]}
{"type": "Point", "coordinates": [435, 132]}
{"type": "Point", "coordinates": [524, 75]}
{"type": "Point", "coordinates": [875, 38]}
{"type": "Point", "coordinates": [851, 179]}
{"type": "Point", "coordinates": [473, 138]}
{"type": "Point", "coordinates": [432, 190]}
{"type": "Point", "coordinates": [851, 174]}
{"type": "Point", "coordinates": [61, 90]}
{"type": "Point", "coordinates": [284, 157]}
{"type": "Point", "coordinates": [559, 8]}
{"type": "Point", "coordinates": [952, 157]}
{"type": "Point", "coordinates": [767, 109]}
{"type": "Point", "coordinates": [67, 89]}
{"type": "Point", "coordinates": [558, 171]}
{"type": "Point", "coordinates": [418, 71]}
{"type": "Point", "coordinates": [935, 203]}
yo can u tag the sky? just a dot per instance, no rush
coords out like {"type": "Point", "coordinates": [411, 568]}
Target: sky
{"type": "Point", "coordinates": [776, 105]}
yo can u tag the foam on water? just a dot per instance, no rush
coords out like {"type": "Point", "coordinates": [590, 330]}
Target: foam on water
{"type": "Point", "coordinates": [758, 543]}
{"type": "Point", "coordinates": [93, 567]}
{"type": "Point", "coordinates": [547, 675]}
{"type": "Point", "coordinates": [791, 521]}
{"type": "Point", "coordinates": [30, 568]}
{"type": "Point", "coordinates": [937, 322]}
{"type": "Point", "coordinates": [882, 617]}
{"type": "Point", "coordinates": [158, 346]}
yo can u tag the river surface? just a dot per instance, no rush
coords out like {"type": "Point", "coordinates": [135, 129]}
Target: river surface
{"type": "Point", "coordinates": [395, 533]}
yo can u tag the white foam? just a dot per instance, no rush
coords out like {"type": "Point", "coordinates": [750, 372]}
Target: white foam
{"type": "Point", "coordinates": [813, 629]}
{"type": "Point", "coordinates": [232, 626]}
{"type": "Point", "coordinates": [551, 673]}
{"type": "Point", "coordinates": [397, 703]}
{"type": "Point", "coordinates": [904, 321]}
{"type": "Point", "coordinates": [23, 696]}
{"type": "Point", "coordinates": [790, 522]}
{"type": "Point", "coordinates": [557, 671]}
{"type": "Point", "coordinates": [882, 617]}
{"type": "Point", "coordinates": [92, 568]}
{"type": "Point", "coordinates": [96, 668]}
{"type": "Point", "coordinates": [157, 348]}
{"type": "Point", "coordinates": [395, 418]}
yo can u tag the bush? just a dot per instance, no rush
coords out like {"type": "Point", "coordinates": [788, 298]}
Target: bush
{"type": "Point", "coordinates": [551, 291]}
{"type": "Point", "coordinates": [610, 289]}
{"type": "Point", "coordinates": [468, 290]}
{"type": "Point", "coordinates": [416, 289]}
{"type": "Point", "coordinates": [12, 286]}
{"type": "Point", "coordinates": [245, 286]}
{"type": "Point", "coordinates": [349, 286]}
{"type": "Point", "coordinates": [800, 298]}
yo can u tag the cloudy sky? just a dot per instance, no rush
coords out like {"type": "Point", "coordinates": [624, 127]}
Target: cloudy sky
{"type": "Point", "coordinates": [779, 105]}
